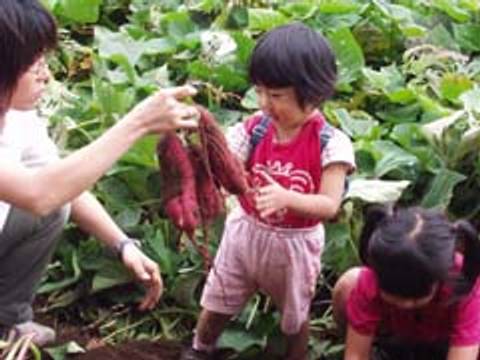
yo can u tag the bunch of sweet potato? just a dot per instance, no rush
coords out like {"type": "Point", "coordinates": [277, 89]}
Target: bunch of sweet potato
{"type": "Point", "coordinates": [194, 173]}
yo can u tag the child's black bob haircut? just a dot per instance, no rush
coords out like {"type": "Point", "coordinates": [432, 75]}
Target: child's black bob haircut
{"type": "Point", "coordinates": [298, 56]}
{"type": "Point", "coordinates": [411, 249]}
{"type": "Point", "coordinates": [27, 30]}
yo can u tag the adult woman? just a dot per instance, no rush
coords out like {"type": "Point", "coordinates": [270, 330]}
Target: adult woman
{"type": "Point", "coordinates": [38, 190]}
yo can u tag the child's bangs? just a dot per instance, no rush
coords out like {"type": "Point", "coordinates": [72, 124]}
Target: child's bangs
{"type": "Point", "coordinates": [266, 70]}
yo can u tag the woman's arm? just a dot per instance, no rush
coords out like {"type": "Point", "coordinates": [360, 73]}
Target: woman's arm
{"type": "Point", "coordinates": [92, 218]}
{"type": "Point", "coordinates": [463, 352]}
{"type": "Point", "coordinates": [45, 189]}
{"type": "Point", "coordinates": [357, 346]}
{"type": "Point", "coordinates": [324, 205]}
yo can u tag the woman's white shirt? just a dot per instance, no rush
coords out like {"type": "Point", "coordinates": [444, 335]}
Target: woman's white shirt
{"type": "Point", "coordinates": [24, 140]}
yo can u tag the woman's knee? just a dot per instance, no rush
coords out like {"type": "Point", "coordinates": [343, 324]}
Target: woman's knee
{"type": "Point", "coordinates": [49, 228]}
{"type": "Point", "coordinates": [57, 218]}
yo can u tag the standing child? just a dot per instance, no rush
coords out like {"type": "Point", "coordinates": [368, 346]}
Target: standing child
{"type": "Point", "coordinates": [297, 164]}
{"type": "Point", "coordinates": [416, 296]}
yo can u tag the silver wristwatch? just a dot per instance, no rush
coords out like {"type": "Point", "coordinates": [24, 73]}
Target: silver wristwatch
{"type": "Point", "coordinates": [120, 246]}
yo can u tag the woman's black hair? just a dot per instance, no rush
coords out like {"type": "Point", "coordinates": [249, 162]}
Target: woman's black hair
{"type": "Point", "coordinates": [298, 56]}
{"type": "Point", "coordinates": [411, 249]}
{"type": "Point", "coordinates": [27, 30]}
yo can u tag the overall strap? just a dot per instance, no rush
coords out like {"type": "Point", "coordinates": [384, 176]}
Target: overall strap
{"type": "Point", "coordinates": [259, 131]}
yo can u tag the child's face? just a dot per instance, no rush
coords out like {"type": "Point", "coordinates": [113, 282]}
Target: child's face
{"type": "Point", "coordinates": [31, 86]}
{"type": "Point", "coordinates": [408, 303]}
{"type": "Point", "coordinates": [281, 105]}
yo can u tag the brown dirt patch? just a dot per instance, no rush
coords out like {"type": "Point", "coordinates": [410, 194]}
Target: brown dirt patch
{"type": "Point", "coordinates": [138, 350]}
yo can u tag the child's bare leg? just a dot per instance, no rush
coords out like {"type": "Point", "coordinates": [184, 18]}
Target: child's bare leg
{"type": "Point", "coordinates": [297, 344]}
{"type": "Point", "coordinates": [209, 327]}
{"type": "Point", "coordinates": [340, 294]}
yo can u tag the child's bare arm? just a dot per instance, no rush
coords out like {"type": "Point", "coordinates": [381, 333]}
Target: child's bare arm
{"type": "Point", "coordinates": [357, 346]}
{"type": "Point", "coordinates": [323, 205]}
{"type": "Point", "coordinates": [463, 352]}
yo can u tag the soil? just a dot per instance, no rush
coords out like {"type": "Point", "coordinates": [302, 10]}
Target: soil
{"type": "Point", "coordinates": [90, 340]}
{"type": "Point", "coordinates": [138, 350]}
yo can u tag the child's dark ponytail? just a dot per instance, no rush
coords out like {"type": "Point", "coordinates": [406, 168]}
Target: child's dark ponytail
{"type": "Point", "coordinates": [468, 237]}
{"type": "Point", "coordinates": [375, 215]}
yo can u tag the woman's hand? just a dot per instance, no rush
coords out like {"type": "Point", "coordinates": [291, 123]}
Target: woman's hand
{"type": "Point", "coordinates": [272, 197]}
{"type": "Point", "coordinates": [145, 271]}
{"type": "Point", "coordinates": [163, 112]}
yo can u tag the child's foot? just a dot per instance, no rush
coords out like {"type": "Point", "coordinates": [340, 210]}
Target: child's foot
{"type": "Point", "coordinates": [192, 354]}
{"type": "Point", "coordinates": [41, 335]}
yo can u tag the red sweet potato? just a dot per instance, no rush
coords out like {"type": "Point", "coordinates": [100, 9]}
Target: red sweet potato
{"type": "Point", "coordinates": [192, 177]}
{"type": "Point", "coordinates": [210, 200]}
{"type": "Point", "coordinates": [179, 188]}
{"type": "Point", "coordinates": [226, 168]}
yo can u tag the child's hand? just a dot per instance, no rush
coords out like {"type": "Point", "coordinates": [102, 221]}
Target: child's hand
{"type": "Point", "coordinates": [272, 197]}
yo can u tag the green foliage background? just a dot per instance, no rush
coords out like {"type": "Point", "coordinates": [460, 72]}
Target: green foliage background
{"type": "Point", "coordinates": [408, 95]}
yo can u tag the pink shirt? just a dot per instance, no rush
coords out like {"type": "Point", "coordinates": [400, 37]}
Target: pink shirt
{"type": "Point", "coordinates": [295, 165]}
{"type": "Point", "coordinates": [458, 323]}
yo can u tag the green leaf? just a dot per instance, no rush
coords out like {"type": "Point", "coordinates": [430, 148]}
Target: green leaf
{"type": "Point", "coordinates": [112, 99]}
{"type": "Point", "coordinates": [178, 25]}
{"type": "Point", "coordinates": [61, 352]}
{"type": "Point", "coordinates": [208, 6]}
{"type": "Point", "coordinates": [237, 17]}
{"type": "Point", "coordinates": [65, 282]}
{"type": "Point", "coordinates": [161, 253]}
{"type": "Point", "coordinates": [300, 9]}
{"type": "Point", "coordinates": [341, 254]}
{"type": "Point", "coordinates": [139, 181]}
{"type": "Point", "coordinates": [227, 76]}
{"type": "Point", "coordinates": [245, 46]}
{"type": "Point", "coordinates": [441, 37]}
{"type": "Point", "coordinates": [239, 340]}
{"type": "Point", "coordinates": [128, 217]}
{"type": "Point", "coordinates": [432, 109]}
{"type": "Point", "coordinates": [471, 100]}
{"type": "Point", "coordinates": [435, 128]}
{"type": "Point", "coordinates": [452, 9]}
{"type": "Point", "coordinates": [184, 288]}
{"type": "Point", "coordinates": [265, 19]}
{"type": "Point", "coordinates": [49, 4]}
{"type": "Point", "coordinates": [81, 11]}
{"type": "Point", "coordinates": [327, 23]}
{"type": "Point", "coordinates": [376, 191]}
{"type": "Point", "coordinates": [349, 55]}
{"type": "Point", "coordinates": [116, 45]}
{"type": "Point", "coordinates": [159, 46]}
{"type": "Point", "coordinates": [441, 189]}
{"type": "Point", "coordinates": [143, 153]}
{"type": "Point", "coordinates": [111, 274]}
{"type": "Point", "coordinates": [115, 192]}
{"type": "Point", "coordinates": [402, 16]}
{"type": "Point", "coordinates": [392, 157]}
{"type": "Point", "coordinates": [353, 126]}
{"type": "Point", "coordinates": [453, 85]}
{"type": "Point", "coordinates": [339, 6]}
{"type": "Point", "coordinates": [410, 137]}
{"type": "Point", "coordinates": [249, 101]}
{"type": "Point", "coordinates": [391, 82]}
{"type": "Point", "coordinates": [467, 36]}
